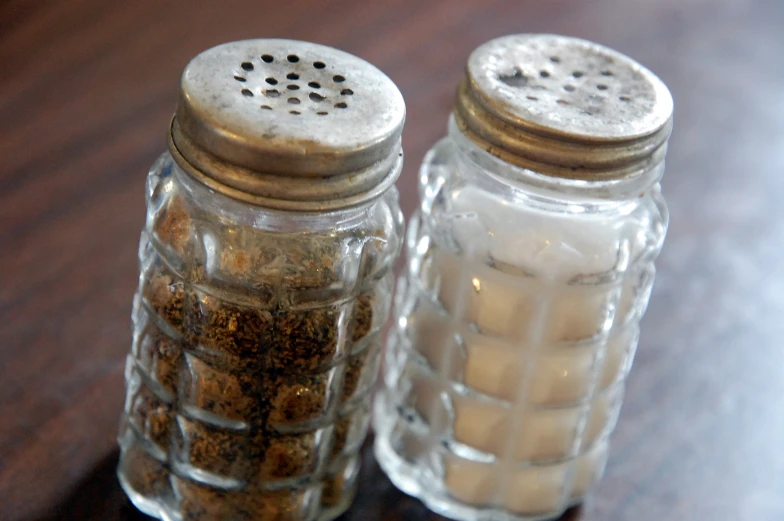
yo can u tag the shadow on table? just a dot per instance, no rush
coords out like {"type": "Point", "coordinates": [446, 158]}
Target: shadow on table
{"type": "Point", "coordinates": [97, 498]}
{"type": "Point", "coordinates": [100, 498]}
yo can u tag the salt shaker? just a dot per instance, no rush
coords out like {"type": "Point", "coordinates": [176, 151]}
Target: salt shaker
{"type": "Point", "coordinates": [272, 226]}
{"type": "Point", "coordinates": [530, 266]}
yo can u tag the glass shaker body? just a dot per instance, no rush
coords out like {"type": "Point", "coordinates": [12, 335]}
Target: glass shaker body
{"type": "Point", "coordinates": [516, 325]}
{"type": "Point", "coordinates": [256, 328]}
{"type": "Point", "coordinates": [255, 348]}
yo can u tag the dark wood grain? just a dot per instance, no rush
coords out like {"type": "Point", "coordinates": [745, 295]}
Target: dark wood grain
{"type": "Point", "coordinates": [86, 90]}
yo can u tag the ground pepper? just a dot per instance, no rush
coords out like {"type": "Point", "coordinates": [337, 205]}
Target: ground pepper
{"type": "Point", "coordinates": [298, 399]}
{"type": "Point", "coordinates": [251, 383]}
{"type": "Point", "coordinates": [340, 483]}
{"type": "Point", "coordinates": [143, 472]}
{"type": "Point", "coordinates": [164, 292]}
{"type": "Point", "coordinates": [148, 413]}
{"type": "Point", "coordinates": [350, 428]}
{"type": "Point", "coordinates": [200, 501]}
{"type": "Point", "coordinates": [160, 357]}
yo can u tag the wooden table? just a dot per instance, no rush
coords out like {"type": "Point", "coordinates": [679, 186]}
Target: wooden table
{"type": "Point", "coordinates": [86, 91]}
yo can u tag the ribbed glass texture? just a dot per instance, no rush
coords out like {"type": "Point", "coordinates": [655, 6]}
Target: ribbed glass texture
{"type": "Point", "coordinates": [516, 324]}
{"type": "Point", "coordinates": [255, 348]}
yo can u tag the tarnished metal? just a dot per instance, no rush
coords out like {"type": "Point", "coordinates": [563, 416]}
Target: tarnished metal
{"type": "Point", "coordinates": [564, 107]}
{"type": "Point", "coordinates": [288, 125]}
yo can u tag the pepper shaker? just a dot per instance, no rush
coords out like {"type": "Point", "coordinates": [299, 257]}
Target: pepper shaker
{"type": "Point", "coordinates": [272, 226]}
{"type": "Point", "coordinates": [530, 267]}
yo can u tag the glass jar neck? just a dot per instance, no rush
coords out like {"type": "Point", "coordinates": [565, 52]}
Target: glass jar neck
{"type": "Point", "coordinates": [548, 192]}
{"type": "Point", "coordinates": [266, 218]}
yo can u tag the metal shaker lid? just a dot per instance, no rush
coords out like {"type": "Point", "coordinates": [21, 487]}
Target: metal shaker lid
{"type": "Point", "coordinates": [564, 107]}
{"type": "Point", "coordinates": [288, 125]}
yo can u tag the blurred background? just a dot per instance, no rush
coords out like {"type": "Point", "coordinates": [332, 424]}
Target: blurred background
{"type": "Point", "coordinates": [87, 88]}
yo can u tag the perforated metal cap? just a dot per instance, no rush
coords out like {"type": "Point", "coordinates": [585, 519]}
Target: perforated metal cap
{"type": "Point", "coordinates": [288, 125]}
{"type": "Point", "coordinates": [564, 107]}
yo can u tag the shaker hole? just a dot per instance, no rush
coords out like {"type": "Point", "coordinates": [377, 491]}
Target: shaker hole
{"type": "Point", "coordinates": [562, 102]}
{"type": "Point", "coordinates": [544, 74]}
{"type": "Point", "coordinates": [624, 98]}
{"type": "Point", "coordinates": [314, 85]}
{"type": "Point", "coordinates": [555, 59]}
{"type": "Point", "coordinates": [601, 86]}
{"type": "Point", "coordinates": [347, 92]}
{"type": "Point", "coordinates": [292, 87]}
{"type": "Point", "coordinates": [322, 113]}
{"type": "Point", "coordinates": [292, 76]}
{"type": "Point", "coordinates": [266, 107]}
{"type": "Point", "coordinates": [516, 79]}
{"type": "Point", "coordinates": [267, 58]}
{"type": "Point", "coordinates": [338, 78]}
{"type": "Point", "coordinates": [578, 74]}
{"type": "Point", "coordinates": [293, 58]}
{"type": "Point", "coordinates": [532, 98]}
{"type": "Point", "coordinates": [341, 105]}
{"type": "Point", "coordinates": [319, 65]}
{"type": "Point", "coordinates": [294, 101]}
{"type": "Point", "coordinates": [271, 81]}
{"type": "Point", "coordinates": [569, 88]}
{"type": "Point", "coordinates": [315, 96]}
{"type": "Point", "coordinates": [248, 66]}
{"type": "Point", "coordinates": [247, 92]}
{"type": "Point", "coordinates": [272, 93]}
{"type": "Point", "coordinates": [240, 78]}
{"type": "Point", "coordinates": [295, 112]}
{"type": "Point", "coordinates": [607, 73]}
